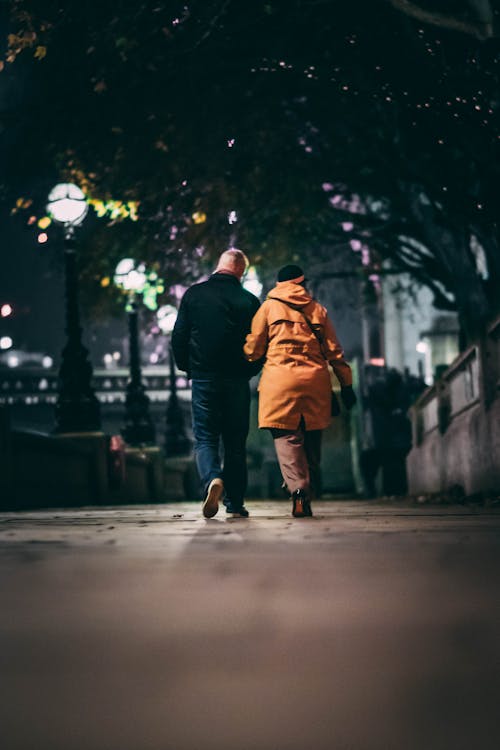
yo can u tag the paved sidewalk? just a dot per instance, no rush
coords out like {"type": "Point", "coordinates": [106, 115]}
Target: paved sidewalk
{"type": "Point", "coordinates": [151, 628]}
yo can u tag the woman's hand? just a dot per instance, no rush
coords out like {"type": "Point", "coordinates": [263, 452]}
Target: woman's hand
{"type": "Point", "coordinates": [348, 396]}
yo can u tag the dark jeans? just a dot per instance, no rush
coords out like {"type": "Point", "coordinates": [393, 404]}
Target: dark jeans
{"type": "Point", "coordinates": [221, 411]}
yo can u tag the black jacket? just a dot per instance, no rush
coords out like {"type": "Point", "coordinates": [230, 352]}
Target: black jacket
{"type": "Point", "coordinates": [213, 321]}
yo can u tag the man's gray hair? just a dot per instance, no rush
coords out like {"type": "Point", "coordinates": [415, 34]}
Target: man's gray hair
{"type": "Point", "coordinates": [233, 261]}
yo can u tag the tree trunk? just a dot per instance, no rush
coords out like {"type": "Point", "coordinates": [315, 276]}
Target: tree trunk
{"type": "Point", "coordinates": [450, 244]}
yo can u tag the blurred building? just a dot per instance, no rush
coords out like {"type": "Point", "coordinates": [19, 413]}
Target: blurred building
{"type": "Point", "coordinates": [416, 336]}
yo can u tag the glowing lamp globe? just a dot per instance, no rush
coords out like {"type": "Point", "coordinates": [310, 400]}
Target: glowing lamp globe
{"type": "Point", "coordinates": [5, 342]}
{"type": "Point", "coordinates": [123, 268]}
{"type": "Point", "coordinates": [67, 204]}
{"type": "Point", "coordinates": [166, 317]}
{"type": "Point", "coordinates": [129, 277]}
{"type": "Point", "coordinates": [135, 281]}
{"type": "Point", "coordinates": [251, 282]}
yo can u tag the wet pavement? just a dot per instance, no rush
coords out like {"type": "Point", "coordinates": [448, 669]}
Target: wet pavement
{"type": "Point", "coordinates": [150, 628]}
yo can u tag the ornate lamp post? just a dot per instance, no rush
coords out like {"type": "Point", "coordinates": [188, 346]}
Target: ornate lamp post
{"type": "Point", "coordinates": [139, 428]}
{"type": "Point", "coordinates": [176, 441]}
{"type": "Point", "coordinates": [77, 408]}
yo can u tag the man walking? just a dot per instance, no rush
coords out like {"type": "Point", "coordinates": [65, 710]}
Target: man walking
{"type": "Point", "coordinates": [213, 321]}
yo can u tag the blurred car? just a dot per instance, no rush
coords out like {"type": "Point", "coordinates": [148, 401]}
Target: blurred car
{"type": "Point", "coordinates": [17, 358]}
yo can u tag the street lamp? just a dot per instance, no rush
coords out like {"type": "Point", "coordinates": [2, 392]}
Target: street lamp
{"type": "Point", "coordinates": [139, 428]}
{"type": "Point", "coordinates": [77, 408]}
{"type": "Point", "coordinates": [252, 282]}
{"type": "Point", "coordinates": [176, 441]}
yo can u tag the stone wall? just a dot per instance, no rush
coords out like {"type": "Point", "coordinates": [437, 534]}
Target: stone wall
{"type": "Point", "coordinates": [41, 470]}
{"type": "Point", "coordinates": [456, 424]}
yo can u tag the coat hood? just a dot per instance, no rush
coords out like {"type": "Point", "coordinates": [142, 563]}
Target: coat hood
{"type": "Point", "coordinates": [287, 291]}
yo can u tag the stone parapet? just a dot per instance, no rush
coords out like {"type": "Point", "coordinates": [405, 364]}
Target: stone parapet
{"type": "Point", "coordinates": [456, 424]}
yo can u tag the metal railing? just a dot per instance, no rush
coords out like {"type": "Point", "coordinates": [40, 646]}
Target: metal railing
{"type": "Point", "coordinates": [31, 386]}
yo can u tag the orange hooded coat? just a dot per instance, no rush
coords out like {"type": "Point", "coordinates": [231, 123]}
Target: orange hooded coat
{"type": "Point", "coordinates": [295, 380]}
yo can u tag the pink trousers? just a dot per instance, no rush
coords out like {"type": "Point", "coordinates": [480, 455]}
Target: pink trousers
{"type": "Point", "coordinates": [299, 457]}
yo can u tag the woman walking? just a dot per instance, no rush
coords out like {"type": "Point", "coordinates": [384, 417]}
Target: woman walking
{"type": "Point", "coordinates": [295, 335]}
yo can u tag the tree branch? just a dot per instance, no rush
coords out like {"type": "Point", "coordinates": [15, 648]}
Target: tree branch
{"type": "Point", "coordinates": [441, 301]}
{"type": "Point", "coordinates": [214, 21]}
{"type": "Point", "coordinates": [481, 29]}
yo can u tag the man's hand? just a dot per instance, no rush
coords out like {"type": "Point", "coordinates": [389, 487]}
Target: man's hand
{"type": "Point", "coordinates": [348, 396]}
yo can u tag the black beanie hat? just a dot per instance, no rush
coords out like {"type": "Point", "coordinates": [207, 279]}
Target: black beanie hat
{"type": "Point", "coordinates": [287, 273]}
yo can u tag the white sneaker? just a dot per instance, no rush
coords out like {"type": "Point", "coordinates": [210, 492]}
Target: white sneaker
{"type": "Point", "coordinates": [214, 496]}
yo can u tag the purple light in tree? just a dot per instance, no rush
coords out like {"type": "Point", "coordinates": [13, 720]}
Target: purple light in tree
{"type": "Point", "coordinates": [177, 291]}
{"type": "Point", "coordinates": [375, 279]}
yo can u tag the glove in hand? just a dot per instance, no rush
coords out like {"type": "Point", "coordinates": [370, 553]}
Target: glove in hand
{"type": "Point", "coordinates": [335, 409]}
{"type": "Point", "coordinates": [348, 397]}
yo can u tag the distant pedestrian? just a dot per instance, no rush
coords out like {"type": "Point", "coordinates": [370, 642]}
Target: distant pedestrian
{"type": "Point", "coordinates": [214, 318]}
{"type": "Point", "coordinates": [387, 434]}
{"type": "Point", "coordinates": [296, 336]}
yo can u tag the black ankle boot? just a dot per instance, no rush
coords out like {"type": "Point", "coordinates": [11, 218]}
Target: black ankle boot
{"type": "Point", "coordinates": [306, 504]}
{"type": "Point", "coordinates": [299, 502]}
